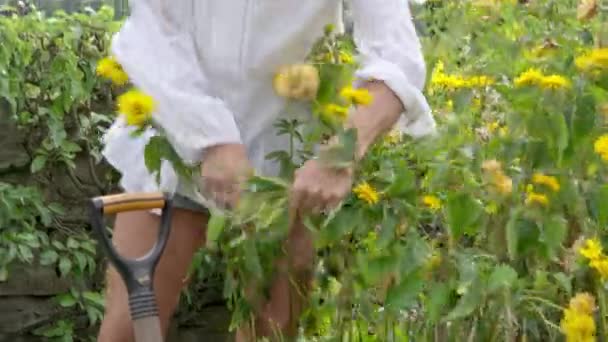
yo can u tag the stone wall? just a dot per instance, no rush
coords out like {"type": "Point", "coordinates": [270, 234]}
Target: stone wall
{"type": "Point", "coordinates": [26, 298]}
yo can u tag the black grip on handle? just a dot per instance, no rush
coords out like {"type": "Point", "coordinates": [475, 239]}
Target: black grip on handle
{"type": "Point", "coordinates": [136, 273]}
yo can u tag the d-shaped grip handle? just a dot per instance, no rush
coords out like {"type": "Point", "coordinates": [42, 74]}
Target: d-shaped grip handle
{"type": "Point", "coordinates": [138, 274]}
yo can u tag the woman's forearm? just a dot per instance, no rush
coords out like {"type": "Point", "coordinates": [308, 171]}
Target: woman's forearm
{"type": "Point", "coordinates": [376, 119]}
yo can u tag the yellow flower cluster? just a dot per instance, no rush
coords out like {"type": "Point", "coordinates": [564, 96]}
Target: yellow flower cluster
{"type": "Point", "coordinates": [592, 251]}
{"type": "Point", "coordinates": [549, 182]}
{"type": "Point", "coordinates": [365, 192]}
{"type": "Point", "coordinates": [534, 77]}
{"type": "Point", "coordinates": [601, 146]}
{"type": "Point", "coordinates": [297, 82]}
{"type": "Point", "coordinates": [440, 79]}
{"type": "Point", "coordinates": [577, 324]}
{"type": "Point", "coordinates": [594, 60]}
{"type": "Point", "coordinates": [110, 68]}
{"type": "Point", "coordinates": [500, 182]}
{"type": "Point", "coordinates": [136, 107]}
{"type": "Point", "coordinates": [431, 202]}
{"type": "Point", "coordinates": [358, 97]}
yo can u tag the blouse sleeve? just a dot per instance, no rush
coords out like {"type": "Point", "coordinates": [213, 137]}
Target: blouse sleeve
{"type": "Point", "coordinates": [156, 48]}
{"type": "Point", "coordinates": [390, 51]}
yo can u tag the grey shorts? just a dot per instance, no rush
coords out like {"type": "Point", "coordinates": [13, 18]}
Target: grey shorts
{"type": "Point", "coordinates": [183, 202]}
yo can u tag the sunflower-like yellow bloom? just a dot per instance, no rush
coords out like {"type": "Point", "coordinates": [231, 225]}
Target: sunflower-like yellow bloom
{"type": "Point", "coordinates": [110, 68]}
{"type": "Point", "coordinates": [601, 146]}
{"type": "Point", "coordinates": [432, 202]}
{"type": "Point", "coordinates": [367, 193]}
{"type": "Point", "coordinates": [360, 97]}
{"type": "Point", "coordinates": [550, 182]}
{"type": "Point", "coordinates": [136, 107]}
{"type": "Point", "coordinates": [298, 82]}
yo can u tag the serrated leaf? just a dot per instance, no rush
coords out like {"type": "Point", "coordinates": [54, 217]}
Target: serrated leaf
{"type": "Point", "coordinates": [554, 232]}
{"type": "Point", "coordinates": [503, 276]}
{"type": "Point", "coordinates": [462, 212]}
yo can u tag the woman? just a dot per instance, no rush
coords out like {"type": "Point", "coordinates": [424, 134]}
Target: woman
{"type": "Point", "coordinates": [209, 65]}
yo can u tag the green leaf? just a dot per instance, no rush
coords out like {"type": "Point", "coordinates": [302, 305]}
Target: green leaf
{"type": "Point", "coordinates": [553, 234]}
{"type": "Point", "coordinates": [65, 266]}
{"type": "Point", "coordinates": [81, 259]}
{"type": "Point", "coordinates": [3, 273]}
{"type": "Point", "coordinates": [503, 276]}
{"type": "Point", "coordinates": [405, 294]}
{"type": "Point", "coordinates": [565, 281]}
{"type": "Point", "coordinates": [25, 253]}
{"type": "Point", "coordinates": [66, 300]}
{"type": "Point", "coordinates": [94, 297]}
{"type": "Point", "coordinates": [601, 207]}
{"type": "Point", "coordinates": [467, 303]}
{"type": "Point", "coordinates": [437, 300]}
{"type": "Point", "coordinates": [512, 232]}
{"type": "Point", "coordinates": [462, 212]}
{"type": "Point", "coordinates": [404, 183]}
{"type": "Point", "coordinates": [72, 243]}
{"type": "Point", "coordinates": [38, 163]}
{"type": "Point", "coordinates": [252, 259]}
{"type": "Point", "coordinates": [153, 154]}
{"type": "Point", "coordinates": [48, 257]}
{"type": "Point", "coordinates": [215, 226]}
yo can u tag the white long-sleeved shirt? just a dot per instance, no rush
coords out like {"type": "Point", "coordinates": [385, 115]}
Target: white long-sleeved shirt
{"type": "Point", "coordinates": [209, 66]}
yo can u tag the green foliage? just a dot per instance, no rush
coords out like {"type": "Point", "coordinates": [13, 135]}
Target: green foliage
{"type": "Point", "coordinates": [61, 107]}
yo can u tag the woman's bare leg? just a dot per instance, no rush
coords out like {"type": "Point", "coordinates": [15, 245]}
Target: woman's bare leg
{"type": "Point", "coordinates": [134, 234]}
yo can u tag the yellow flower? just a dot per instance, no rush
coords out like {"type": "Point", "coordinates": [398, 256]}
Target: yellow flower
{"type": "Point", "coordinates": [493, 126]}
{"type": "Point", "coordinates": [450, 105]}
{"type": "Point", "coordinates": [336, 111]}
{"type": "Point", "coordinates": [298, 82]}
{"type": "Point", "coordinates": [577, 327]}
{"type": "Point", "coordinates": [110, 68]}
{"type": "Point", "coordinates": [554, 82]}
{"type": "Point", "coordinates": [346, 58]}
{"type": "Point", "coordinates": [601, 266]}
{"type": "Point", "coordinates": [393, 137]}
{"type": "Point", "coordinates": [503, 183]}
{"type": "Point", "coordinates": [491, 166]}
{"type": "Point", "coordinates": [548, 181]}
{"type": "Point", "coordinates": [136, 106]}
{"type": "Point", "coordinates": [601, 146]}
{"type": "Point", "coordinates": [529, 77]}
{"type": "Point", "coordinates": [583, 303]}
{"type": "Point", "coordinates": [592, 249]}
{"type": "Point", "coordinates": [432, 202]}
{"type": "Point", "coordinates": [593, 60]}
{"type": "Point", "coordinates": [357, 96]}
{"type": "Point", "coordinates": [366, 193]}
{"type": "Point", "coordinates": [536, 198]}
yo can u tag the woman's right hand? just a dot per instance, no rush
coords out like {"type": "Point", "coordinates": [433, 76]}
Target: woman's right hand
{"type": "Point", "coordinates": [224, 170]}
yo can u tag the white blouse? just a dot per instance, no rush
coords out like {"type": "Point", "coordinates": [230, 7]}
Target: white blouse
{"type": "Point", "coordinates": [209, 65]}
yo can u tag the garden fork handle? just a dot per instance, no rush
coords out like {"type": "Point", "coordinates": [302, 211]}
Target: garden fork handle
{"type": "Point", "coordinates": [138, 274]}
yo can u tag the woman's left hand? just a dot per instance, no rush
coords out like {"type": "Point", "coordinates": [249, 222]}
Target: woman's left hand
{"type": "Point", "coordinates": [318, 188]}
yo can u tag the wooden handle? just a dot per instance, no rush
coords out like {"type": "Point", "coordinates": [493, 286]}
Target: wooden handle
{"type": "Point", "coordinates": [148, 330]}
{"type": "Point", "coordinates": [114, 204]}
